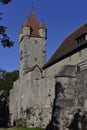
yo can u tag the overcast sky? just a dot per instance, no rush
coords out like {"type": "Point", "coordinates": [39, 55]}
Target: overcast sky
{"type": "Point", "coordinates": [61, 18]}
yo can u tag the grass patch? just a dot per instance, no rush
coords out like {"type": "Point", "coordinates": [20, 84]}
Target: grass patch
{"type": "Point", "coordinates": [23, 128]}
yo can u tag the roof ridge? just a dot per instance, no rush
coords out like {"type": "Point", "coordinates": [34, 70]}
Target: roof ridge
{"type": "Point", "coordinates": [75, 31]}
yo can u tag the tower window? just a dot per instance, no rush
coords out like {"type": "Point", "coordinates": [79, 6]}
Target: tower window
{"type": "Point", "coordinates": [44, 51]}
{"type": "Point", "coordinates": [36, 59]}
{"type": "Point", "coordinates": [35, 42]}
{"type": "Point", "coordinates": [21, 55]}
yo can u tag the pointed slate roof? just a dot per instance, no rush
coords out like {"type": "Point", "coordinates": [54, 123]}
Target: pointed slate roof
{"type": "Point", "coordinates": [26, 24]}
{"type": "Point", "coordinates": [69, 46]}
{"type": "Point", "coordinates": [34, 24]}
{"type": "Point", "coordinates": [21, 31]}
{"type": "Point", "coordinates": [42, 26]}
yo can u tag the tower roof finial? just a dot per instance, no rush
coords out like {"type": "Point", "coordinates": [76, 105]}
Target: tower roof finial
{"type": "Point", "coordinates": [32, 6]}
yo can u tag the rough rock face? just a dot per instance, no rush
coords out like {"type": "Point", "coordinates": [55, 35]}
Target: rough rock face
{"type": "Point", "coordinates": [31, 99]}
{"type": "Point", "coordinates": [70, 96]}
{"type": "Point", "coordinates": [54, 100]}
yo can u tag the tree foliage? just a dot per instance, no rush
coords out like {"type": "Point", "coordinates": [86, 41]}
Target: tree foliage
{"type": "Point", "coordinates": [4, 38]}
{"type": "Point", "coordinates": [6, 83]}
{"type": "Point", "coordinates": [5, 1]}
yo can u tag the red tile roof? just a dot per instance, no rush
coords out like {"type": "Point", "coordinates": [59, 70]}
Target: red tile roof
{"type": "Point", "coordinates": [26, 24]}
{"type": "Point", "coordinates": [42, 26]}
{"type": "Point", "coordinates": [69, 46]}
{"type": "Point", "coordinates": [34, 24]}
{"type": "Point", "coordinates": [21, 31]}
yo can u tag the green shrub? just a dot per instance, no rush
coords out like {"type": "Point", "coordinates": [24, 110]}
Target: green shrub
{"type": "Point", "coordinates": [20, 122]}
{"type": "Point", "coordinates": [28, 111]}
{"type": "Point", "coordinates": [23, 128]}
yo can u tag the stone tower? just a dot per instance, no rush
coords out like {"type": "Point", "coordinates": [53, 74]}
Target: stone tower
{"type": "Point", "coordinates": [32, 39]}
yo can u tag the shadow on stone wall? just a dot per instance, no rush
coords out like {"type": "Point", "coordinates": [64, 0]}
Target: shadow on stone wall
{"type": "Point", "coordinates": [79, 121]}
{"type": "Point", "coordinates": [55, 120]}
{"type": "Point", "coordinates": [65, 114]}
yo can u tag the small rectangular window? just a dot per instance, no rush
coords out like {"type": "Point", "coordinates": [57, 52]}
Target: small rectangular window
{"type": "Point", "coordinates": [35, 58]}
{"type": "Point", "coordinates": [21, 55]}
{"type": "Point", "coordinates": [35, 42]}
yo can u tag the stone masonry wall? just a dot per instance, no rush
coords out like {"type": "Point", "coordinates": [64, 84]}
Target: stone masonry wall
{"type": "Point", "coordinates": [14, 102]}
{"type": "Point", "coordinates": [70, 95]}
{"type": "Point", "coordinates": [52, 101]}
{"type": "Point", "coordinates": [32, 52]}
{"type": "Point", "coordinates": [33, 94]}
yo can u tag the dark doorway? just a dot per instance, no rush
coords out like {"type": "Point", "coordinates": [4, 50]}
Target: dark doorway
{"type": "Point", "coordinates": [4, 114]}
